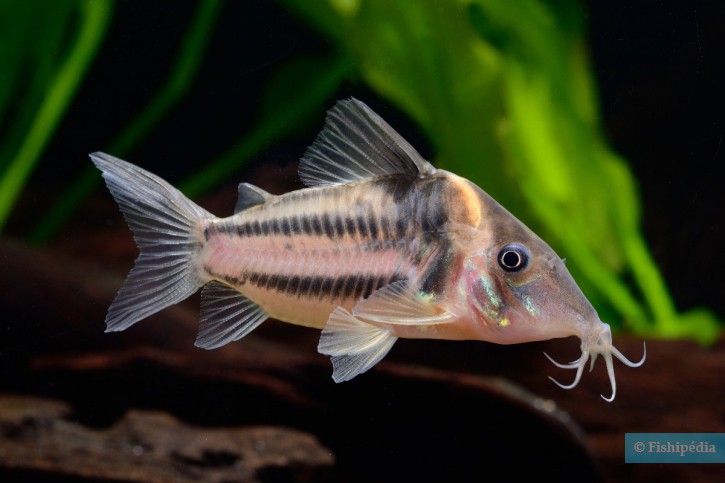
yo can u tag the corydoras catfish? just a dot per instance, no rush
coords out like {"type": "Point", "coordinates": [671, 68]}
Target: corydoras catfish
{"type": "Point", "coordinates": [381, 245]}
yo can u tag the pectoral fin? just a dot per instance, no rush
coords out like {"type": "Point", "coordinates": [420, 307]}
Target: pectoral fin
{"type": "Point", "coordinates": [354, 346]}
{"type": "Point", "coordinates": [398, 304]}
{"type": "Point", "coordinates": [356, 343]}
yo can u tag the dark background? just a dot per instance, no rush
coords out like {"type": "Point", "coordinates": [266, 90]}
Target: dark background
{"type": "Point", "coordinates": [661, 72]}
{"type": "Point", "coordinates": [660, 68]}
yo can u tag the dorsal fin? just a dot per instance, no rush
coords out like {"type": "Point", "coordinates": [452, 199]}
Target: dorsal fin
{"type": "Point", "coordinates": [250, 195]}
{"type": "Point", "coordinates": [356, 144]}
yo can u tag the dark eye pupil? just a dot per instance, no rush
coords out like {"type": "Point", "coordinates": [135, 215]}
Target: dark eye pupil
{"type": "Point", "coordinates": [513, 257]}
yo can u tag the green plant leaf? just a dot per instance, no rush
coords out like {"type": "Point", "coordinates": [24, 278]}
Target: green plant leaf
{"type": "Point", "coordinates": [504, 91]}
{"type": "Point", "coordinates": [61, 87]}
{"type": "Point", "coordinates": [180, 78]}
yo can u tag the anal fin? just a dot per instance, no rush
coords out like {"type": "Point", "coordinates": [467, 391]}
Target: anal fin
{"type": "Point", "coordinates": [354, 346]}
{"type": "Point", "coordinates": [226, 316]}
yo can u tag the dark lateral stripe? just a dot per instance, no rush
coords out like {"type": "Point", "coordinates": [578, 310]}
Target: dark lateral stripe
{"type": "Point", "coordinates": [435, 277]}
{"type": "Point", "coordinates": [264, 225]}
{"type": "Point", "coordinates": [233, 281]}
{"type": "Point", "coordinates": [372, 226]}
{"type": "Point", "coordinates": [286, 227]}
{"type": "Point", "coordinates": [347, 286]}
{"type": "Point", "coordinates": [433, 220]}
{"type": "Point", "coordinates": [337, 285]}
{"type": "Point", "coordinates": [288, 284]}
{"type": "Point", "coordinates": [272, 282]}
{"type": "Point", "coordinates": [296, 225]}
{"type": "Point", "coordinates": [327, 225]}
{"type": "Point", "coordinates": [306, 225]}
{"type": "Point", "coordinates": [256, 230]}
{"type": "Point", "coordinates": [316, 225]}
{"type": "Point", "coordinates": [350, 228]}
{"type": "Point", "coordinates": [339, 227]}
{"type": "Point", "coordinates": [331, 226]}
{"type": "Point", "coordinates": [326, 287]}
{"type": "Point", "coordinates": [385, 228]}
{"type": "Point", "coordinates": [315, 287]}
{"type": "Point", "coordinates": [362, 226]}
{"type": "Point", "coordinates": [276, 226]}
{"type": "Point", "coordinates": [305, 284]}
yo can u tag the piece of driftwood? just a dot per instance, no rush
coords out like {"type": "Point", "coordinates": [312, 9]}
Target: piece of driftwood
{"type": "Point", "coordinates": [39, 436]}
{"type": "Point", "coordinates": [430, 410]}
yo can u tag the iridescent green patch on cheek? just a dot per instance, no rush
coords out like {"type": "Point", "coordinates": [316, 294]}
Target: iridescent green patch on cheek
{"type": "Point", "coordinates": [521, 292]}
{"type": "Point", "coordinates": [530, 306]}
{"type": "Point", "coordinates": [486, 296]}
{"type": "Point", "coordinates": [488, 288]}
{"type": "Point", "coordinates": [518, 284]}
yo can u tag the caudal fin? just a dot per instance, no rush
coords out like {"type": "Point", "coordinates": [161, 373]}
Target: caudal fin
{"type": "Point", "coordinates": [166, 227]}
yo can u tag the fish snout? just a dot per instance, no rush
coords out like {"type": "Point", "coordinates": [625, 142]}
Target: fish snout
{"type": "Point", "coordinates": [597, 342]}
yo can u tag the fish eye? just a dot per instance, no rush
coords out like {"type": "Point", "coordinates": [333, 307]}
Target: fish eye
{"type": "Point", "coordinates": [513, 257]}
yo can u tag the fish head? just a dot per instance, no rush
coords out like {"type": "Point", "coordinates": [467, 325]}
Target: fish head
{"type": "Point", "coordinates": [517, 289]}
{"type": "Point", "coordinates": [516, 286]}
{"type": "Point", "coordinates": [520, 291]}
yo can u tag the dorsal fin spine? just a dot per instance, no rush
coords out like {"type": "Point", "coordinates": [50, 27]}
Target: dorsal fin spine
{"type": "Point", "coordinates": [250, 195]}
{"type": "Point", "coordinates": [358, 144]}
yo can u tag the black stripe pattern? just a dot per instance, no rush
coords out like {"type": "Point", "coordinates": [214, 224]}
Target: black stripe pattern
{"type": "Point", "coordinates": [415, 224]}
{"type": "Point", "coordinates": [327, 225]}
{"type": "Point", "coordinates": [318, 287]}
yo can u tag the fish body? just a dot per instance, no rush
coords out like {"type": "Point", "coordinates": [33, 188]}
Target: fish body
{"type": "Point", "coordinates": [381, 245]}
{"type": "Point", "coordinates": [303, 254]}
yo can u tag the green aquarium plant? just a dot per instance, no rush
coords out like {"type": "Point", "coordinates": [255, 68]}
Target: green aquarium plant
{"type": "Point", "coordinates": [45, 51]}
{"type": "Point", "coordinates": [59, 42]}
{"type": "Point", "coordinates": [505, 93]}
{"type": "Point", "coordinates": [281, 114]}
{"type": "Point", "coordinates": [503, 90]}
{"type": "Point", "coordinates": [181, 76]}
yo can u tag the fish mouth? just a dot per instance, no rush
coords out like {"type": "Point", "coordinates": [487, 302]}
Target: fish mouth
{"type": "Point", "coordinates": [598, 343]}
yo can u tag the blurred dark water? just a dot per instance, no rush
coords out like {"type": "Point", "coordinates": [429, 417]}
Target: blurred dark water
{"type": "Point", "coordinates": [661, 74]}
{"type": "Point", "coordinates": [658, 64]}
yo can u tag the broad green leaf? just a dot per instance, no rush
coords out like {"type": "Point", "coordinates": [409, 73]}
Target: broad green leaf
{"type": "Point", "coordinates": [504, 90]}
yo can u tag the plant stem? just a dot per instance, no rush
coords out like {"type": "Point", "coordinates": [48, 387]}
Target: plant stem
{"type": "Point", "coordinates": [95, 15]}
{"type": "Point", "coordinates": [177, 84]}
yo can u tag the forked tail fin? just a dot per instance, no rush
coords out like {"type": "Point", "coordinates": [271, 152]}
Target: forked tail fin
{"type": "Point", "coordinates": [166, 227]}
